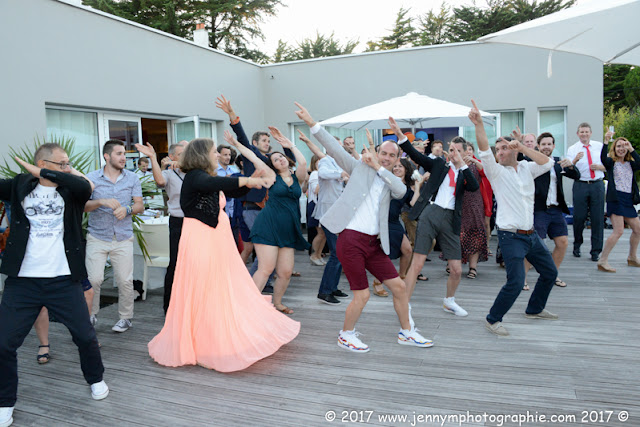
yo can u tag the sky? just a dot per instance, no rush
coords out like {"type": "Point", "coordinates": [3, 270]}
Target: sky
{"type": "Point", "coordinates": [361, 20]}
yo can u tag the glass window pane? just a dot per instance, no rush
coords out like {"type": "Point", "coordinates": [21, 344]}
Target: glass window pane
{"type": "Point", "coordinates": [301, 145]}
{"type": "Point", "coordinates": [206, 130]}
{"type": "Point", "coordinates": [469, 133]}
{"type": "Point", "coordinates": [553, 121]}
{"type": "Point", "coordinates": [185, 131]}
{"type": "Point", "coordinates": [81, 126]}
{"type": "Point", "coordinates": [126, 131]}
{"type": "Point", "coordinates": [509, 120]}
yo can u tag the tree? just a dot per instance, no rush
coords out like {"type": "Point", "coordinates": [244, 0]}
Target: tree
{"type": "Point", "coordinates": [403, 34]}
{"type": "Point", "coordinates": [631, 86]}
{"type": "Point", "coordinates": [434, 29]}
{"type": "Point", "coordinates": [321, 46]}
{"type": "Point", "coordinates": [613, 85]}
{"type": "Point", "coordinates": [472, 22]}
{"type": "Point", "coordinates": [232, 24]}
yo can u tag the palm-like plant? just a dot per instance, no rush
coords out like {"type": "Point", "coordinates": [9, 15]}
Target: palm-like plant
{"type": "Point", "coordinates": [82, 161]}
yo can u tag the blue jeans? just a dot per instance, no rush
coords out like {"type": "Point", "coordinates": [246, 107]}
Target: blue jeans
{"type": "Point", "coordinates": [515, 248]}
{"type": "Point", "coordinates": [333, 269]}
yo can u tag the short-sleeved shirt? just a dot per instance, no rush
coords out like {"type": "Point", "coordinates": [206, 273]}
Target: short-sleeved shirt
{"type": "Point", "coordinates": [173, 179]}
{"type": "Point", "coordinates": [103, 225]}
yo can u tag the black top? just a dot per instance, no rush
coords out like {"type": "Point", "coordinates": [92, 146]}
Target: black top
{"type": "Point", "coordinates": [608, 162]}
{"type": "Point", "coordinates": [74, 190]}
{"type": "Point", "coordinates": [200, 195]}
{"type": "Point", "coordinates": [439, 171]}
{"type": "Point", "coordinates": [542, 186]}
{"type": "Point", "coordinates": [255, 195]}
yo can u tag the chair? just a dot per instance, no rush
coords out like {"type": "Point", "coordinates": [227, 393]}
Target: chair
{"type": "Point", "coordinates": [157, 238]}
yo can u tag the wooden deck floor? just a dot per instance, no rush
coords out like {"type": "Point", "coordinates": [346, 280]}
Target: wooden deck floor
{"type": "Point", "coordinates": [584, 363]}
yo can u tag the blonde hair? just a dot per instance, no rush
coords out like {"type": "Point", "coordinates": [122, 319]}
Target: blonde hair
{"type": "Point", "coordinates": [612, 151]}
{"type": "Point", "coordinates": [196, 156]}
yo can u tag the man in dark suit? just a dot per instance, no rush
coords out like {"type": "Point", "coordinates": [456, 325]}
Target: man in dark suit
{"type": "Point", "coordinates": [549, 203]}
{"type": "Point", "coordinates": [442, 218]}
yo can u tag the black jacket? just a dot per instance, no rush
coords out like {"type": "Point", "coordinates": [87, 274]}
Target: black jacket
{"type": "Point", "coordinates": [542, 186]}
{"type": "Point", "coordinates": [439, 171]}
{"type": "Point", "coordinates": [74, 190]}
{"type": "Point", "coordinates": [612, 193]}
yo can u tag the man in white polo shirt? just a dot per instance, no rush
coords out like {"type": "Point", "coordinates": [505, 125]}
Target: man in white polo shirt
{"type": "Point", "coordinates": [514, 188]}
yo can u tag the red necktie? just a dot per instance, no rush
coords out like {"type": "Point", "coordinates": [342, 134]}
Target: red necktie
{"type": "Point", "coordinates": [452, 180]}
{"type": "Point", "coordinates": [591, 171]}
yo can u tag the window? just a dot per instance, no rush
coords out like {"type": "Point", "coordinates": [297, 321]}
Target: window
{"type": "Point", "coordinates": [80, 125]}
{"type": "Point", "coordinates": [506, 122]}
{"type": "Point", "coordinates": [553, 120]}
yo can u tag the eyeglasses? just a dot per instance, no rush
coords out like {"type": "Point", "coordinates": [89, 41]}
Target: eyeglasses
{"type": "Point", "coordinates": [62, 165]}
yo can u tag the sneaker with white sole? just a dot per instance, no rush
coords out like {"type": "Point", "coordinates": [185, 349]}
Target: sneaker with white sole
{"type": "Point", "coordinates": [93, 319]}
{"type": "Point", "coordinates": [544, 314]}
{"type": "Point", "coordinates": [349, 341]}
{"type": "Point", "coordinates": [6, 416]}
{"type": "Point", "coordinates": [450, 306]}
{"type": "Point", "coordinates": [122, 325]}
{"type": "Point", "coordinates": [99, 390]}
{"type": "Point", "coordinates": [412, 337]}
{"type": "Point", "coordinates": [496, 328]}
{"type": "Point", "coordinates": [411, 322]}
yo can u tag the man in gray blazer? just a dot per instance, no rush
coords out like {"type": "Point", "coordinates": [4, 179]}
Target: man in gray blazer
{"type": "Point", "coordinates": [360, 216]}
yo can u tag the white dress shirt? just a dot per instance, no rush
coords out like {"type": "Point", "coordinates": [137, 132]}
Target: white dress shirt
{"type": "Point", "coordinates": [445, 197]}
{"type": "Point", "coordinates": [583, 164]}
{"type": "Point", "coordinates": [313, 184]}
{"type": "Point", "coordinates": [514, 190]}
{"type": "Point", "coordinates": [552, 195]}
{"type": "Point", "coordinates": [365, 219]}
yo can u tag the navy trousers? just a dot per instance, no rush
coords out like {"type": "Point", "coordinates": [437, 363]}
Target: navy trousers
{"type": "Point", "coordinates": [22, 300]}
{"type": "Point", "coordinates": [175, 230]}
{"type": "Point", "coordinates": [588, 198]}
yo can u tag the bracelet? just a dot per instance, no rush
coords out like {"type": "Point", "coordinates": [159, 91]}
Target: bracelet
{"type": "Point", "coordinates": [129, 210]}
{"type": "Point", "coordinates": [236, 121]}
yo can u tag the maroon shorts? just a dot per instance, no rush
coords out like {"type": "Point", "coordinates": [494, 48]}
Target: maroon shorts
{"type": "Point", "coordinates": [358, 252]}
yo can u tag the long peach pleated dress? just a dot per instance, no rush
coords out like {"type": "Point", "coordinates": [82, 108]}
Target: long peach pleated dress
{"type": "Point", "coordinates": [217, 317]}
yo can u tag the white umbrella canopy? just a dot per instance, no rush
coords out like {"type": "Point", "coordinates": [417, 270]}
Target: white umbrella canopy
{"type": "Point", "coordinates": [411, 110]}
{"type": "Point", "coordinates": [604, 29]}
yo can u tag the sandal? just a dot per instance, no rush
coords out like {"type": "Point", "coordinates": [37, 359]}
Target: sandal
{"type": "Point", "coordinates": [43, 358]}
{"type": "Point", "coordinates": [473, 273]}
{"type": "Point", "coordinates": [296, 274]}
{"type": "Point", "coordinates": [376, 292]}
{"type": "Point", "coordinates": [560, 283]}
{"type": "Point", "coordinates": [422, 277]}
{"type": "Point", "coordinates": [284, 309]}
{"type": "Point", "coordinates": [525, 287]}
{"type": "Point", "coordinates": [447, 270]}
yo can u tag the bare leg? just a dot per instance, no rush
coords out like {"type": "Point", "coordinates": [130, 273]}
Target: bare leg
{"type": "Point", "coordinates": [562, 243]}
{"type": "Point", "coordinates": [618, 229]}
{"type": "Point", "coordinates": [455, 268]}
{"type": "Point", "coordinates": [267, 256]}
{"type": "Point", "coordinates": [88, 296]}
{"type": "Point", "coordinates": [487, 226]}
{"type": "Point", "coordinates": [354, 309]}
{"type": "Point", "coordinates": [473, 260]}
{"type": "Point", "coordinates": [414, 270]}
{"type": "Point", "coordinates": [318, 243]}
{"type": "Point", "coordinates": [284, 268]}
{"type": "Point", "coordinates": [634, 223]}
{"type": "Point", "coordinates": [405, 257]}
{"type": "Point", "coordinates": [246, 252]}
{"type": "Point", "coordinates": [42, 330]}
{"type": "Point", "coordinates": [400, 300]}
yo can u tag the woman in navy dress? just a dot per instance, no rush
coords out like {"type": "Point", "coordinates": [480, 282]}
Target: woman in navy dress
{"type": "Point", "coordinates": [622, 193]}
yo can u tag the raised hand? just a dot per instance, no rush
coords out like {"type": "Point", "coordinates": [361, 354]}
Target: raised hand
{"type": "Point", "coordinates": [469, 159]}
{"type": "Point", "coordinates": [578, 157]}
{"type": "Point", "coordinates": [513, 144]}
{"type": "Point", "coordinates": [278, 136]}
{"type": "Point", "coordinates": [372, 145]}
{"type": "Point", "coordinates": [608, 136]}
{"type": "Point", "coordinates": [304, 115]}
{"type": "Point", "coordinates": [474, 114]}
{"type": "Point", "coordinates": [224, 104]}
{"type": "Point", "coordinates": [565, 163]}
{"type": "Point", "coordinates": [455, 157]}
{"type": "Point", "coordinates": [303, 137]}
{"type": "Point", "coordinates": [32, 169]}
{"type": "Point", "coordinates": [370, 159]}
{"type": "Point", "coordinates": [147, 149]}
{"type": "Point", "coordinates": [393, 125]}
{"type": "Point", "coordinates": [629, 146]}
{"type": "Point", "coordinates": [517, 134]}
{"type": "Point", "coordinates": [230, 139]}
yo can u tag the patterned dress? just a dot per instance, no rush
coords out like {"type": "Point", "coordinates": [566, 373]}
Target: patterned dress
{"type": "Point", "coordinates": [473, 237]}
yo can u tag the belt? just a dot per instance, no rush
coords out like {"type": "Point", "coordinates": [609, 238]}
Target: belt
{"type": "Point", "coordinates": [251, 206]}
{"type": "Point", "coordinates": [517, 231]}
{"type": "Point", "coordinates": [591, 182]}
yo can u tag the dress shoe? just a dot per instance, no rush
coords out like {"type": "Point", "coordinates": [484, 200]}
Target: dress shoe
{"type": "Point", "coordinates": [595, 257]}
{"type": "Point", "coordinates": [576, 253]}
{"type": "Point", "coordinates": [328, 299]}
{"type": "Point", "coordinates": [339, 294]}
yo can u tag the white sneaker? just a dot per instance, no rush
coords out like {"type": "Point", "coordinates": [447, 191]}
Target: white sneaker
{"type": "Point", "coordinates": [6, 416]}
{"type": "Point", "coordinates": [349, 341]}
{"type": "Point", "coordinates": [411, 322]}
{"type": "Point", "coordinates": [122, 325]}
{"type": "Point", "coordinates": [93, 319]}
{"type": "Point", "coordinates": [450, 306]}
{"type": "Point", "coordinates": [99, 390]}
{"type": "Point", "coordinates": [412, 337]}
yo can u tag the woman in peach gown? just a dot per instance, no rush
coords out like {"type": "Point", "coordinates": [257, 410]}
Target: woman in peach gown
{"type": "Point", "coordinates": [217, 317]}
